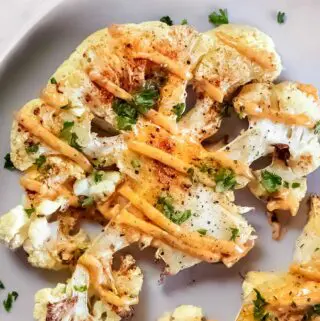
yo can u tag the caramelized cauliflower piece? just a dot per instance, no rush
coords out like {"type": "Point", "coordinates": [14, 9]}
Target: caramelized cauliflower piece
{"type": "Point", "coordinates": [237, 55]}
{"type": "Point", "coordinates": [292, 295]}
{"type": "Point", "coordinates": [96, 290]}
{"type": "Point", "coordinates": [281, 121]}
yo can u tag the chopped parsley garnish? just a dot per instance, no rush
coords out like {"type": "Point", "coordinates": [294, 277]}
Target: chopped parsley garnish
{"type": "Point", "coordinates": [143, 101]}
{"type": "Point", "coordinates": [219, 17]}
{"type": "Point", "coordinates": [259, 307]}
{"type": "Point", "coordinates": [286, 184]}
{"type": "Point", "coordinates": [281, 17]}
{"type": "Point", "coordinates": [87, 201]}
{"type": "Point", "coordinates": [40, 161]}
{"type": "Point", "coordinates": [314, 310]}
{"type": "Point", "coordinates": [202, 231]}
{"type": "Point", "coordinates": [164, 205]}
{"type": "Point", "coordinates": [2, 285]}
{"type": "Point", "coordinates": [29, 211]}
{"type": "Point", "coordinates": [234, 233]}
{"type": "Point", "coordinates": [179, 110]}
{"type": "Point", "coordinates": [270, 181]}
{"type": "Point", "coordinates": [32, 148]}
{"type": "Point", "coordinates": [127, 115]}
{"type": "Point", "coordinates": [80, 288]}
{"type": "Point", "coordinates": [225, 179]}
{"type": "Point", "coordinates": [146, 98]}
{"type": "Point", "coordinates": [184, 22]}
{"type": "Point", "coordinates": [167, 20]}
{"type": "Point", "coordinates": [7, 304]}
{"type": "Point", "coordinates": [295, 185]}
{"type": "Point", "coordinates": [135, 163]}
{"type": "Point", "coordinates": [317, 128]}
{"type": "Point", "coordinates": [53, 81]}
{"type": "Point", "coordinates": [97, 176]}
{"type": "Point", "coordinates": [8, 163]}
{"type": "Point", "coordinates": [69, 136]}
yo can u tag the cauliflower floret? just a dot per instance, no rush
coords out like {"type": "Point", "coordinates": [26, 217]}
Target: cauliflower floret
{"type": "Point", "coordinates": [237, 55]}
{"type": "Point", "coordinates": [94, 271]}
{"type": "Point", "coordinates": [288, 295]}
{"type": "Point", "coordinates": [100, 185]}
{"type": "Point", "coordinates": [295, 147]}
{"type": "Point", "coordinates": [184, 313]}
{"type": "Point", "coordinates": [14, 227]}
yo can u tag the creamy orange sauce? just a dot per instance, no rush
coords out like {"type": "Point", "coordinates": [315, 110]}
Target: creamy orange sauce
{"type": "Point", "coordinates": [191, 238]}
{"type": "Point", "coordinates": [212, 91]}
{"type": "Point", "coordinates": [162, 120]}
{"type": "Point", "coordinates": [172, 65]}
{"type": "Point", "coordinates": [149, 229]}
{"type": "Point", "coordinates": [309, 90]}
{"type": "Point", "coordinates": [254, 110]}
{"type": "Point", "coordinates": [260, 57]}
{"type": "Point", "coordinates": [27, 120]}
{"type": "Point", "coordinates": [105, 83]}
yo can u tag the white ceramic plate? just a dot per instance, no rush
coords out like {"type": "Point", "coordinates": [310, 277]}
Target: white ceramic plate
{"type": "Point", "coordinates": [214, 287]}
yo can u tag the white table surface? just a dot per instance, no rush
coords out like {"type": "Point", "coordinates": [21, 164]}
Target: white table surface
{"type": "Point", "coordinates": [17, 17]}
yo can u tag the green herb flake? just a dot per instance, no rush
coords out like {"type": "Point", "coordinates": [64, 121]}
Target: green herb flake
{"type": "Point", "coordinates": [2, 287]}
{"type": "Point", "coordinates": [286, 184]}
{"type": "Point", "coordinates": [69, 136]}
{"type": "Point", "coordinates": [281, 17]}
{"type": "Point", "coordinates": [32, 148]}
{"type": "Point", "coordinates": [8, 163]}
{"type": "Point", "coordinates": [219, 17]}
{"type": "Point", "coordinates": [127, 115]}
{"type": "Point", "coordinates": [80, 288]}
{"type": "Point", "coordinates": [53, 81]}
{"type": "Point", "coordinates": [234, 233]}
{"type": "Point", "coordinates": [29, 211]}
{"type": "Point", "coordinates": [146, 98]}
{"type": "Point", "coordinates": [317, 249]}
{"type": "Point", "coordinates": [87, 202]}
{"type": "Point", "coordinates": [40, 161]}
{"type": "Point", "coordinates": [164, 205]}
{"type": "Point", "coordinates": [295, 185]}
{"type": "Point", "coordinates": [259, 307]}
{"type": "Point", "coordinates": [135, 163]}
{"type": "Point", "coordinates": [167, 20]}
{"type": "Point", "coordinates": [179, 110]}
{"type": "Point", "coordinates": [225, 180]}
{"type": "Point", "coordinates": [202, 231]}
{"type": "Point", "coordinates": [184, 22]}
{"type": "Point", "coordinates": [270, 181]}
{"type": "Point", "coordinates": [7, 303]}
{"type": "Point", "coordinates": [317, 128]}
{"type": "Point", "coordinates": [97, 176]}
{"type": "Point", "coordinates": [313, 311]}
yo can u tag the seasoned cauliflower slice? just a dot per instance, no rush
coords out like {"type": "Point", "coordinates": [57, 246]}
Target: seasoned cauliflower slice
{"type": "Point", "coordinates": [237, 55]}
{"type": "Point", "coordinates": [96, 291]}
{"type": "Point", "coordinates": [184, 313]}
{"type": "Point", "coordinates": [186, 204]}
{"type": "Point", "coordinates": [281, 121]}
{"type": "Point", "coordinates": [292, 295]}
